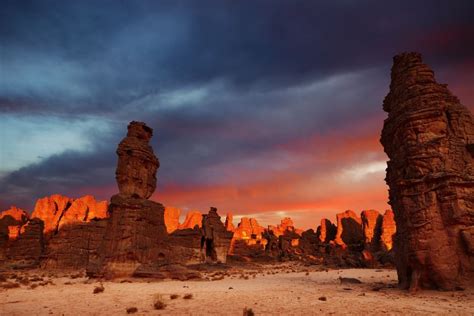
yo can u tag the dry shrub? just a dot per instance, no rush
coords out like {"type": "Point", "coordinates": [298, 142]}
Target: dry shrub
{"type": "Point", "coordinates": [248, 312]}
{"type": "Point", "coordinates": [188, 296]}
{"type": "Point", "coordinates": [33, 286]}
{"type": "Point", "coordinates": [132, 310]}
{"type": "Point", "coordinates": [158, 302]}
{"type": "Point", "coordinates": [99, 289]}
{"type": "Point", "coordinates": [174, 296]}
{"type": "Point", "coordinates": [3, 278]}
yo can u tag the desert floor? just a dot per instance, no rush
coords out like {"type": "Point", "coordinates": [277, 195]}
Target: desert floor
{"type": "Point", "coordinates": [273, 290]}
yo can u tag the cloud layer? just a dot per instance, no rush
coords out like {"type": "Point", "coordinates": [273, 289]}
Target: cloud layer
{"type": "Point", "coordinates": [268, 107]}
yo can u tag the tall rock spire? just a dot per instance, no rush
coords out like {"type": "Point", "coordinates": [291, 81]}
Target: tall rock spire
{"type": "Point", "coordinates": [429, 139]}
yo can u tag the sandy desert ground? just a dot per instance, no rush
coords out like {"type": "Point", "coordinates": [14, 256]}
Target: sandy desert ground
{"type": "Point", "coordinates": [274, 290]}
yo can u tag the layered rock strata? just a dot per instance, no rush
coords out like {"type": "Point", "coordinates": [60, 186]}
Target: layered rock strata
{"type": "Point", "coordinates": [429, 139]}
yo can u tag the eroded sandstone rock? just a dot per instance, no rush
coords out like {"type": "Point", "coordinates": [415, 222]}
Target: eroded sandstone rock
{"type": "Point", "coordinates": [326, 231]}
{"type": "Point", "coordinates": [388, 230]}
{"type": "Point", "coordinates": [50, 210]}
{"type": "Point", "coordinates": [229, 225]}
{"type": "Point", "coordinates": [12, 220]}
{"type": "Point", "coordinates": [372, 227]}
{"type": "Point", "coordinates": [428, 137]}
{"type": "Point", "coordinates": [137, 164]}
{"type": "Point", "coordinates": [216, 238]}
{"type": "Point", "coordinates": [57, 210]}
{"type": "Point", "coordinates": [172, 218]}
{"type": "Point", "coordinates": [193, 218]}
{"type": "Point", "coordinates": [349, 229]}
{"type": "Point", "coordinates": [27, 249]}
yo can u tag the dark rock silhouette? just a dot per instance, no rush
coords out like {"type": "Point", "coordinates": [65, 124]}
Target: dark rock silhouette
{"type": "Point", "coordinates": [429, 139]}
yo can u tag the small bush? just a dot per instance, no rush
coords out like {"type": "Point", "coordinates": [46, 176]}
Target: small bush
{"type": "Point", "coordinates": [188, 296]}
{"type": "Point", "coordinates": [132, 310]}
{"type": "Point", "coordinates": [3, 278]}
{"type": "Point", "coordinates": [99, 289]}
{"type": "Point", "coordinates": [248, 312]}
{"type": "Point", "coordinates": [158, 302]}
{"type": "Point", "coordinates": [33, 286]}
{"type": "Point", "coordinates": [174, 296]}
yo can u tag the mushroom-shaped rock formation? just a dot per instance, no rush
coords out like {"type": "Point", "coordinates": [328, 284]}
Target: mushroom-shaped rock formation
{"type": "Point", "coordinates": [429, 139]}
{"type": "Point", "coordinates": [137, 164]}
{"type": "Point", "coordinates": [136, 229]}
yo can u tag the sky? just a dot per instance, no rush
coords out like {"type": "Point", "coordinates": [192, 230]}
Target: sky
{"type": "Point", "coordinates": [262, 108]}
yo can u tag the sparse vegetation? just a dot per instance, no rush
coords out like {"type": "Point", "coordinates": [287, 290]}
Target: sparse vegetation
{"type": "Point", "coordinates": [158, 302]}
{"type": "Point", "coordinates": [322, 298]}
{"type": "Point", "coordinates": [248, 312]}
{"type": "Point", "coordinates": [99, 289]}
{"type": "Point", "coordinates": [188, 296]}
{"type": "Point", "coordinates": [132, 310]}
{"type": "Point", "coordinates": [174, 296]}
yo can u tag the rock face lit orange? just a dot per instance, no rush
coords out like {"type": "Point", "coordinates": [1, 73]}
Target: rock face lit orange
{"type": "Point", "coordinates": [172, 218]}
{"type": "Point", "coordinates": [429, 139]}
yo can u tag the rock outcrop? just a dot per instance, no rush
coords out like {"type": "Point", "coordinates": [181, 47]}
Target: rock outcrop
{"type": "Point", "coordinates": [172, 218]}
{"type": "Point", "coordinates": [57, 210]}
{"type": "Point", "coordinates": [193, 218]}
{"type": "Point", "coordinates": [12, 220]}
{"type": "Point", "coordinates": [216, 239]}
{"type": "Point", "coordinates": [326, 231]}
{"type": "Point", "coordinates": [229, 225]}
{"type": "Point", "coordinates": [50, 210]}
{"type": "Point", "coordinates": [137, 164]}
{"type": "Point", "coordinates": [388, 230]}
{"type": "Point", "coordinates": [429, 139]}
{"type": "Point", "coordinates": [248, 229]}
{"type": "Point", "coordinates": [372, 228]}
{"type": "Point", "coordinates": [349, 229]}
{"type": "Point", "coordinates": [75, 245]}
{"type": "Point", "coordinates": [28, 248]}
{"type": "Point", "coordinates": [136, 230]}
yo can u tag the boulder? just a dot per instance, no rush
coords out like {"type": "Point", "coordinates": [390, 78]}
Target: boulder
{"type": "Point", "coordinates": [429, 139]}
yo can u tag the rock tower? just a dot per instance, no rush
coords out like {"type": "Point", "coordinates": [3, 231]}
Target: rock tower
{"type": "Point", "coordinates": [429, 139]}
